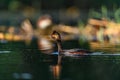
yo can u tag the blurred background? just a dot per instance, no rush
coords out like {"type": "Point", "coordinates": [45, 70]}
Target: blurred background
{"type": "Point", "coordinates": [92, 21]}
{"type": "Point", "coordinates": [26, 43]}
{"type": "Point", "coordinates": [89, 20]}
{"type": "Point", "coordinates": [33, 9]}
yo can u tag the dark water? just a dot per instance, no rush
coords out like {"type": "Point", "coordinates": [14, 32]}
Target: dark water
{"type": "Point", "coordinates": [27, 62]}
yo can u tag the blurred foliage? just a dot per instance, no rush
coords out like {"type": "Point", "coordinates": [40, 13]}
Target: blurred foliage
{"type": "Point", "coordinates": [14, 5]}
{"type": "Point", "coordinates": [94, 14]}
{"type": "Point", "coordinates": [54, 5]}
{"type": "Point", "coordinates": [104, 12]}
{"type": "Point", "coordinates": [112, 14]}
{"type": "Point", "coordinates": [117, 15]}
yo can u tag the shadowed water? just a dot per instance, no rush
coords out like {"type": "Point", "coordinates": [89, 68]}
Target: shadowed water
{"type": "Point", "coordinates": [18, 61]}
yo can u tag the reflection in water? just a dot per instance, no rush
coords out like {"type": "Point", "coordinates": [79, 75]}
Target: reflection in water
{"type": "Point", "coordinates": [25, 62]}
{"type": "Point", "coordinates": [55, 70]}
{"type": "Point", "coordinates": [59, 59]}
{"type": "Point", "coordinates": [22, 76]}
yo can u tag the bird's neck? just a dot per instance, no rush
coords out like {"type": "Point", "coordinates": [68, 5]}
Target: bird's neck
{"type": "Point", "coordinates": [59, 44]}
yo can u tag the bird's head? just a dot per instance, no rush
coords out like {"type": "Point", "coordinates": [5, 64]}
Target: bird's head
{"type": "Point", "coordinates": [56, 36]}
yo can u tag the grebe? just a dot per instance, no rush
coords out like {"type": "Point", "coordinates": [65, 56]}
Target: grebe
{"type": "Point", "coordinates": [71, 52]}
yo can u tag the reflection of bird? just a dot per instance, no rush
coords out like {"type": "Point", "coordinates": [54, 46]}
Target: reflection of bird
{"type": "Point", "coordinates": [56, 71]}
{"type": "Point", "coordinates": [71, 52]}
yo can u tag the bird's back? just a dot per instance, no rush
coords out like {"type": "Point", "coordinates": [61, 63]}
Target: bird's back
{"type": "Point", "coordinates": [75, 52]}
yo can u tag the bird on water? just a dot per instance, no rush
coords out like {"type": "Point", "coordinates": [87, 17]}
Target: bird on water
{"type": "Point", "coordinates": [70, 52]}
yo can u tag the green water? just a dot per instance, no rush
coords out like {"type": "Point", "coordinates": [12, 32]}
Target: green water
{"type": "Point", "coordinates": [29, 60]}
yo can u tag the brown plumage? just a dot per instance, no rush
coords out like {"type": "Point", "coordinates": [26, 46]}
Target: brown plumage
{"type": "Point", "coordinates": [71, 52]}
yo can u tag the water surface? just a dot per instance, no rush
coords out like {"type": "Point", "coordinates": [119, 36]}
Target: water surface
{"type": "Point", "coordinates": [18, 61]}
